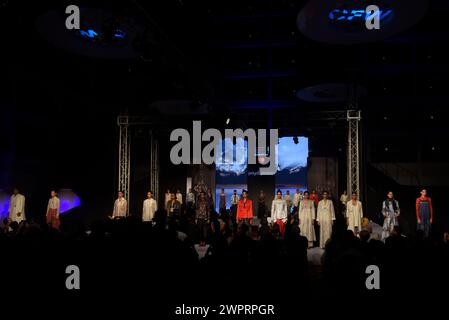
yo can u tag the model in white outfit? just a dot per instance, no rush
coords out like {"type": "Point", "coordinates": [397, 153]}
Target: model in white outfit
{"type": "Point", "coordinates": [354, 214]}
{"type": "Point", "coordinates": [279, 209]}
{"type": "Point", "coordinates": [16, 211]}
{"type": "Point", "coordinates": [179, 196]}
{"type": "Point", "coordinates": [149, 207]}
{"type": "Point", "coordinates": [190, 198]}
{"type": "Point", "coordinates": [325, 218]}
{"type": "Point", "coordinates": [167, 197]}
{"type": "Point", "coordinates": [53, 210]}
{"type": "Point", "coordinates": [307, 217]}
{"type": "Point", "coordinates": [279, 212]}
{"type": "Point", "coordinates": [288, 199]}
{"type": "Point", "coordinates": [297, 198]}
{"type": "Point", "coordinates": [120, 206]}
{"type": "Point", "coordinates": [344, 201]}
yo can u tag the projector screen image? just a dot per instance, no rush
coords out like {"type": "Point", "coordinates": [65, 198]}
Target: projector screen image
{"type": "Point", "coordinates": [231, 176]}
{"type": "Point", "coordinates": [291, 172]}
{"type": "Point", "coordinates": [239, 164]}
{"type": "Point", "coordinates": [292, 164]}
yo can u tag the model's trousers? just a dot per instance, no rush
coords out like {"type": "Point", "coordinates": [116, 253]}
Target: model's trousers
{"type": "Point", "coordinates": [281, 225]}
{"type": "Point", "coordinates": [53, 219]}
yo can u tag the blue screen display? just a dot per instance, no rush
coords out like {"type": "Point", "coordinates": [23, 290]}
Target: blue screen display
{"type": "Point", "coordinates": [292, 164]}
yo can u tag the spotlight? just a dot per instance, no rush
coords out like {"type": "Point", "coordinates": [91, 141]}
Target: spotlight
{"type": "Point", "coordinates": [4, 204]}
{"type": "Point", "coordinates": [228, 120]}
{"type": "Point", "coordinates": [69, 200]}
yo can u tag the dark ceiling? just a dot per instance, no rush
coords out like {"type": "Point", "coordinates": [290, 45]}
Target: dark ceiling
{"type": "Point", "coordinates": [242, 59]}
{"type": "Point", "coordinates": [247, 54]}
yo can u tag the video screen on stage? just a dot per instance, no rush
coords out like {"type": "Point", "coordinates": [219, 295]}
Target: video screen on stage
{"type": "Point", "coordinates": [238, 165]}
{"type": "Point", "coordinates": [231, 175]}
{"type": "Point", "coordinates": [292, 153]}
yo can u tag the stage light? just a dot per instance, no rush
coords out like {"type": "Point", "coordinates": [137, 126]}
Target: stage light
{"type": "Point", "coordinates": [228, 120]}
{"type": "Point", "coordinates": [88, 33]}
{"type": "Point", "coordinates": [348, 15]}
{"type": "Point", "coordinates": [92, 34]}
{"type": "Point", "coordinates": [119, 34]}
{"type": "Point", "coordinates": [4, 205]}
{"type": "Point", "coordinates": [68, 199]}
{"type": "Point", "coordinates": [346, 22]}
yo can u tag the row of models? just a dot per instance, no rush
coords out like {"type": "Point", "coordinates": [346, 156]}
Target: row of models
{"type": "Point", "coordinates": [391, 212]}
{"type": "Point", "coordinates": [324, 214]}
{"type": "Point", "coordinates": [291, 202]}
{"type": "Point", "coordinates": [16, 210]}
{"type": "Point", "coordinates": [148, 210]}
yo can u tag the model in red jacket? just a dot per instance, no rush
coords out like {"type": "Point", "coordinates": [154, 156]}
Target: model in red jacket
{"type": "Point", "coordinates": [314, 197]}
{"type": "Point", "coordinates": [424, 212]}
{"type": "Point", "coordinates": [245, 208]}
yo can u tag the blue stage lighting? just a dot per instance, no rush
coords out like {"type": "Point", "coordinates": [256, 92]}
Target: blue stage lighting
{"type": "Point", "coordinates": [92, 34]}
{"type": "Point", "coordinates": [88, 33]}
{"type": "Point", "coordinates": [356, 14]}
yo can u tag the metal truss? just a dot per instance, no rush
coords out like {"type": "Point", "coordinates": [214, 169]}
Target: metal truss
{"type": "Point", "coordinates": [353, 117]}
{"type": "Point", "coordinates": [138, 121]}
{"type": "Point", "coordinates": [353, 175]}
{"type": "Point", "coordinates": [124, 166]}
{"type": "Point", "coordinates": [154, 166]}
{"type": "Point", "coordinates": [124, 154]}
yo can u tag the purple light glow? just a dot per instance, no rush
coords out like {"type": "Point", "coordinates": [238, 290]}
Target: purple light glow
{"type": "Point", "coordinates": [4, 205]}
{"type": "Point", "coordinates": [67, 197]}
{"type": "Point", "coordinates": [68, 200]}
